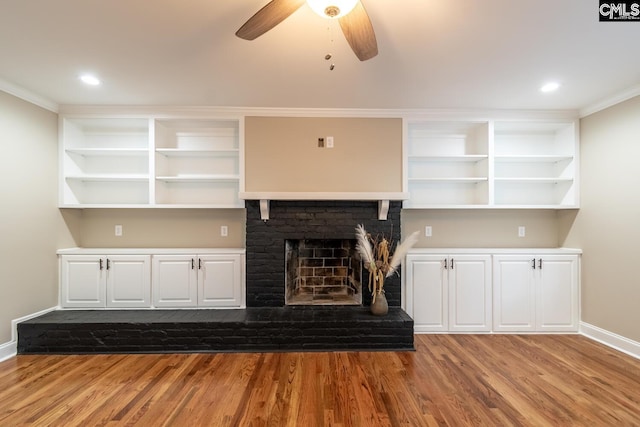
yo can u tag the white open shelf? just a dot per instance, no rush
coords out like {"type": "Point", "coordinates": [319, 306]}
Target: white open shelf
{"type": "Point", "coordinates": [492, 164]}
{"type": "Point", "coordinates": [142, 162]}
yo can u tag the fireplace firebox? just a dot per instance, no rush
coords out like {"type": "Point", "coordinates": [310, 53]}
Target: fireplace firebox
{"type": "Point", "coordinates": [322, 272]}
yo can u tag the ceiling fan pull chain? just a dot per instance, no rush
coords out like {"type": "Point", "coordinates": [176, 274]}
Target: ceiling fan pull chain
{"type": "Point", "coordinates": [331, 32]}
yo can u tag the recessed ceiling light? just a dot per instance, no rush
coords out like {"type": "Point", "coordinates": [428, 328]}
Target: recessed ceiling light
{"type": "Point", "coordinates": [90, 80]}
{"type": "Point", "coordinates": [549, 87]}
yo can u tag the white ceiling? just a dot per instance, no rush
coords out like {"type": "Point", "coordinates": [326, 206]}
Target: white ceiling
{"type": "Point", "coordinates": [451, 54]}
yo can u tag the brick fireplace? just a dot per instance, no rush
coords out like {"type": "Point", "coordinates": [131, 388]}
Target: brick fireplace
{"type": "Point", "coordinates": [299, 221]}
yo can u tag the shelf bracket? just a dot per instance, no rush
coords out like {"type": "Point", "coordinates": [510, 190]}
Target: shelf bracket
{"type": "Point", "coordinates": [383, 209]}
{"type": "Point", "coordinates": [264, 210]}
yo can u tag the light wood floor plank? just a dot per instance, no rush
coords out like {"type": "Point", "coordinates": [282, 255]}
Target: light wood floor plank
{"type": "Point", "coordinates": [450, 380]}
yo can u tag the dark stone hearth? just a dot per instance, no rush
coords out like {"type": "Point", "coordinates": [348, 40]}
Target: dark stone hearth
{"type": "Point", "coordinates": [300, 328]}
{"type": "Point", "coordinates": [265, 241]}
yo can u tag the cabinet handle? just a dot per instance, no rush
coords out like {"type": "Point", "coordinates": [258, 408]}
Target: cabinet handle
{"type": "Point", "coordinates": [100, 263]}
{"type": "Point", "coordinates": [446, 266]}
{"type": "Point", "coordinates": [108, 264]}
{"type": "Point", "coordinates": [193, 265]}
{"type": "Point", "coordinates": [540, 263]}
{"type": "Point", "coordinates": [452, 263]}
{"type": "Point", "coordinates": [200, 264]}
{"type": "Point", "coordinates": [533, 263]}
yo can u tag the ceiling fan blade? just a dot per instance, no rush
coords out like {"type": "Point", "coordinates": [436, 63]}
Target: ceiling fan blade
{"type": "Point", "coordinates": [358, 30]}
{"type": "Point", "coordinates": [268, 17]}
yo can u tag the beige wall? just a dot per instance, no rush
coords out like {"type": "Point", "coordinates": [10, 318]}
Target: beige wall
{"type": "Point", "coordinates": [282, 154]}
{"type": "Point", "coordinates": [31, 226]}
{"type": "Point", "coordinates": [162, 228]}
{"type": "Point", "coordinates": [606, 228]}
{"type": "Point", "coordinates": [462, 228]}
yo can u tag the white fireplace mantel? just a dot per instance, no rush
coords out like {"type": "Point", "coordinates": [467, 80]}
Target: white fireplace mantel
{"type": "Point", "coordinates": [383, 199]}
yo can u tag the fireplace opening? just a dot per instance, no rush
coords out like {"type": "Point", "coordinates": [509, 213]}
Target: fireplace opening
{"type": "Point", "coordinates": [322, 272]}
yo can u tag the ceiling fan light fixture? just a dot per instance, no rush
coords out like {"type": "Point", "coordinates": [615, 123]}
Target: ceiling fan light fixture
{"type": "Point", "coordinates": [332, 8]}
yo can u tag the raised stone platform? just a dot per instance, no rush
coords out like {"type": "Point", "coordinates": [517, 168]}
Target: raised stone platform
{"type": "Point", "coordinates": [293, 328]}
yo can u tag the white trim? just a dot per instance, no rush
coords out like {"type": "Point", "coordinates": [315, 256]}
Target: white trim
{"type": "Point", "coordinates": [28, 96]}
{"type": "Point", "coordinates": [610, 101]}
{"type": "Point", "coordinates": [610, 339]}
{"type": "Point", "coordinates": [159, 112]}
{"type": "Point", "coordinates": [10, 349]}
{"type": "Point", "coordinates": [322, 195]}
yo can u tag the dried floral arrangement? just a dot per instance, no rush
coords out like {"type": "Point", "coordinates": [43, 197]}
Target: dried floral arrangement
{"type": "Point", "coordinates": [377, 259]}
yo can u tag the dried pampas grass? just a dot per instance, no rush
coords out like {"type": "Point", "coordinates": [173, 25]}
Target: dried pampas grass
{"type": "Point", "coordinates": [375, 255]}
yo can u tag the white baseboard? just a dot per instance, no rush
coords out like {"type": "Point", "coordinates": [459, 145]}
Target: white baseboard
{"type": "Point", "coordinates": [10, 349]}
{"type": "Point", "coordinates": [610, 339]}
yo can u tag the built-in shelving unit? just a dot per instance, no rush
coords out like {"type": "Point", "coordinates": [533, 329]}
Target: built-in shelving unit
{"type": "Point", "coordinates": [535, 164]}
{"type": "Point", "coordinates": [147, 162]}
{"type": "Point", "coordinates": [105, 161]}
{"type": "Point", "coordinates": [492, 164]}
{"type": "Point", "coordinates": [447, 164]}
{"type": "Point", "coordinates": [197, 163]}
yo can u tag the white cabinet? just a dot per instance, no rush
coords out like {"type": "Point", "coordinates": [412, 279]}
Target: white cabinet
{"type": "Point", "coordinates": [198, 280]}
{"type": "Point", "coordinates": [501, 290]}
{"type": "Point", "coordinates": [148, 162]}
{"type": "Point", "coordinates": [152, 278]}
{"type": "Point", "coordinates": [492, 164]}
{"type": "Point", "coordinates": [427, 293]}
{"type": "Point", "coordinates": [175, 281]}
{"type": "Point", "coordinates": [220, 280]}
{"type": "Point", "coordinates": [449, 292]}
{"type": "Point", "coordinates": [536, 292]}
{"type": "Point", "coordinates": [98, 281]}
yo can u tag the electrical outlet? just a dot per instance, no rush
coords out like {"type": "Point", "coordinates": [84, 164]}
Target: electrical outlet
{"type": "Point", "coordinates": [428, 231]}
{"type": "Point", "coordinates": [118, 230]}
{"type": "Point", "coordinates": [224, 231]}
{"type": "Point", "coordinates": [521, 231]}
{"type": "Point", "coordinates": [329, 142]}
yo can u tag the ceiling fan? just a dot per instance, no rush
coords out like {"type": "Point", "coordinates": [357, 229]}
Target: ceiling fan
{"type": "Point", "coordinates": [354, 21]}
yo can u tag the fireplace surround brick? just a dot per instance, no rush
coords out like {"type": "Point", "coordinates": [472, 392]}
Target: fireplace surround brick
{"type": "Point", "coordinates": [265, 241]}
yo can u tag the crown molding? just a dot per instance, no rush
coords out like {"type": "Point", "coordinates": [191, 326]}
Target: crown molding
{"type": "Point", "coordinates": [160, 112]}
{"type": "Point", "coordinates": [27, 95]}
{"type": "Point", "coordinates": [611, 101]}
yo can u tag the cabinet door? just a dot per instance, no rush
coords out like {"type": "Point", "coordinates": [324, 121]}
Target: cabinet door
{"type": "Point", "coordinates": [557, 300]}
{"type": "Point", "coordinates": [514, 299]}
{"type": "Point", "coordinates": [128, 281]}
{"type": "Point", "coordinates": [174, 281]}
{"type": "Point", "coordinates": [427, 301]}
{"type": "Point", "coordinates": [219, 281]}
{"type": "Point", "coordinates": [470, 293]}
{"type": "Point", "coordinates": [82, 281]}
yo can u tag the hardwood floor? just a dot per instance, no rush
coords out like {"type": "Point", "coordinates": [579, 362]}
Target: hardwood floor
{"type": "Point", "coordinates": [450, 380]}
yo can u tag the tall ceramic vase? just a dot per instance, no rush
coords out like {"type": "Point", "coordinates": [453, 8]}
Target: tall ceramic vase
{"type": "Point", "coordinates": [379, 307]}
